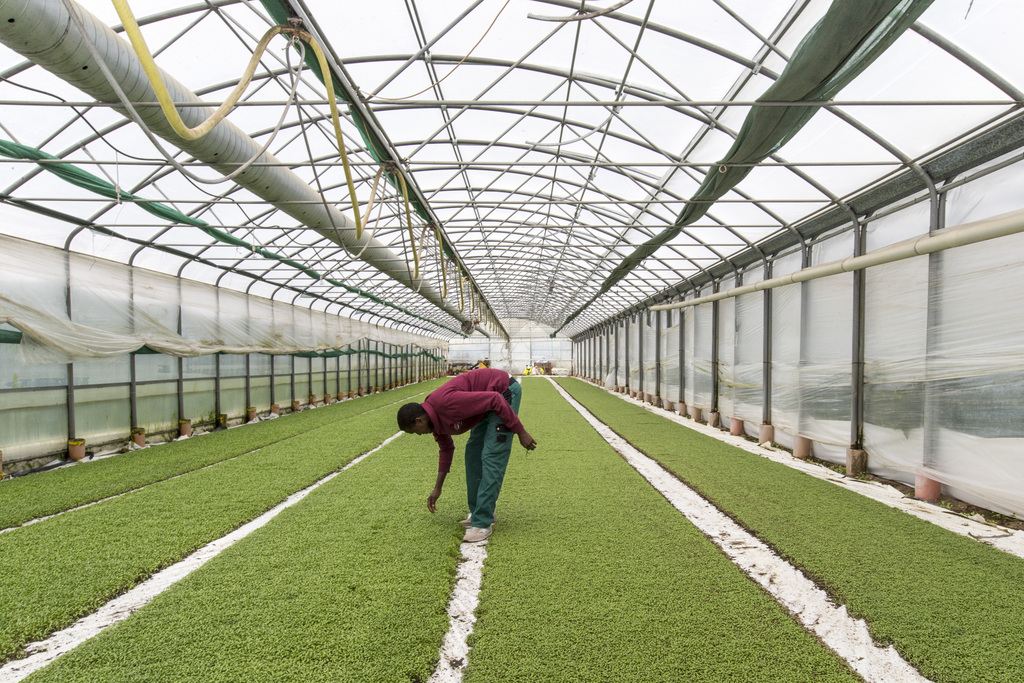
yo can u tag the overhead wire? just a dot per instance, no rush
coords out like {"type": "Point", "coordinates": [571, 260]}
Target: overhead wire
{"type": "Point", "coordinates": [442, 79]}
{"type": "Point", "coordinates": [133, 113]}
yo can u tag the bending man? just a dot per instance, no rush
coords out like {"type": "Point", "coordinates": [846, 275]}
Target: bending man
{"type": "Point", "coordinates": [486, 401]}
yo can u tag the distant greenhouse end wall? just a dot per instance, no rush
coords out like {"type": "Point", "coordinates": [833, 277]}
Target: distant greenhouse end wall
{"type": "Point", "coordinates": [529, 343]}
{"type": "Point", "coordinates": [104, 350]}
{"type": "Point", "coordinates": [942, 395]}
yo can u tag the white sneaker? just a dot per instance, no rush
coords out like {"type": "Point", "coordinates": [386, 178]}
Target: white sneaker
{"type": "Point", "coordinates": [475, 534]}
{"type": "Point", "coordinates": [467, 522]}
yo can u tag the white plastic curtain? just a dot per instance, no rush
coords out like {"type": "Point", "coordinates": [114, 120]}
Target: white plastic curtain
{"type": "Point", "coordinates": [117, 309]}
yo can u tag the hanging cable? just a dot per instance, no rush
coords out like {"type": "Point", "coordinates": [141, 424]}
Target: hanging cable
{"type": "Point", "coordinates": [408, 222]}
{"type": "Point", "coordinates": [367, 96]}
{"type": "Point", "coordinates": [440, 257]}
{"type": "Point", "coordinates": [131, 29]}
{"type": "Point", "coordinates": [171, 112]}
{"type": "Point", "coordinates": [133, 114]}
{"type": "Point", "coordinates": [369, 206]}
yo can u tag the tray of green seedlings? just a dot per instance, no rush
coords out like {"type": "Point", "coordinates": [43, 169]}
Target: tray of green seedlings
{"type": "Point", "coordinates": [350, 584]}
{"type": "Point", "coordinates": [62, 568]}
{"type": "Point", "coordinates": [30, 497]}
{"type": "Point", "coordinates": [953, 607]}
{"type": "Point", "coordinates": [592, 575]}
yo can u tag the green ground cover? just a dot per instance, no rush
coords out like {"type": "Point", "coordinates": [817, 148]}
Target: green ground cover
{"type": "Point", "coordinates": [351, 584]}
{"type": "Point", "coordinates": [954, 608]}
{"type": "Point", "coordinates": [62, 568]}
{"type": "Point", "coordinates": [46, 493]}
{"type": "Point", "coordinates": [592, 576]}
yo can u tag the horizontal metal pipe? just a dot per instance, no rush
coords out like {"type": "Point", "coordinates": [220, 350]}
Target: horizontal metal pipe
{"type": "Point", "coordinates": [969, 233]}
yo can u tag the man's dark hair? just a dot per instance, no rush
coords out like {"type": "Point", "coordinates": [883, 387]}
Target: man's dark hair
{"type": "Point", "coordinates": [407, 415]}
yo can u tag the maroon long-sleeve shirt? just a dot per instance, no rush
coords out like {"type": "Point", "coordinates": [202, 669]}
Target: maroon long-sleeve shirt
{"type": "Point", "coordinates": [461, 402]}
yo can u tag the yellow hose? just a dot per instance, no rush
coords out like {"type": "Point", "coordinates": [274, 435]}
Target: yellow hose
{"type": "Point", "coordinates": [131, 28]}
{"type": "Point", "coordinates": [408, 222]}
{"type": "Point", "coordinates": [369, 207]}
{"type": "Point", "coordinates": [440, 256]}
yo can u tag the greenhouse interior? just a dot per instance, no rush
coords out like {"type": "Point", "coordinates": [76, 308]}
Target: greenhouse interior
{"type": "Point", "coordinates": [751, 262]}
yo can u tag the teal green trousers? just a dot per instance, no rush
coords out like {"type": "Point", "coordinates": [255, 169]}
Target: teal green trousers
{"type": "Point", "coordinates": [487, 452]}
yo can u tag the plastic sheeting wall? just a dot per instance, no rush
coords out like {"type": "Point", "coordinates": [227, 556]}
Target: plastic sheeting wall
{"type": "Point", "coordinates": [943, 390]}
{"type": "Point", "coordinates": [116, 309]}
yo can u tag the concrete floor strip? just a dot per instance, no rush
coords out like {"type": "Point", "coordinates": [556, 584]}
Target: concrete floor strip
{"type": "Point", "coordinates": [844, 635]}
{"type": "Point", "coordinates": [454, 652]}
{"type": "Point", "coordinates": [60, 643]}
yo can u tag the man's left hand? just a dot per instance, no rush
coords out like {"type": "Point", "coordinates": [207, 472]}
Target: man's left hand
{"type": "Point", "coordinates": [528, 442]}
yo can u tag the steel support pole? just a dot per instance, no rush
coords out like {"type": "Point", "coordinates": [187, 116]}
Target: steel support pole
{"type": "Point", "coordinates": [644, 321]}
{"type": "Point", "coordinates": [657, 354]}
{"type": "Point", "coordinates": [715, 339]}
{"type": "Point", "coordinates": [625, 356]}
{"type": "Point", "coordinates": [618, 326]}
{"type": "Point", "coordinates": [766, 351]}
{"type": "Point", "coordinates": [682, 358]}
{"type": "Point", "coordinates": [857, 352]}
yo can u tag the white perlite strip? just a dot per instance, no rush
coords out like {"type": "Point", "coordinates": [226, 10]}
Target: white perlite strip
{"type": "Point", "coordinates": [1008, 540]}
{"type": "Point", "coordinates": [847, 637]}
{"type": "Point", "coordinates": [123, 606]}
{"type": "Point", "coordinates": [465, 598]}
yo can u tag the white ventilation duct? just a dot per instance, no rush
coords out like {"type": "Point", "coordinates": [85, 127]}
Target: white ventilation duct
{"type": "Point", "coordinates": [43, 32]}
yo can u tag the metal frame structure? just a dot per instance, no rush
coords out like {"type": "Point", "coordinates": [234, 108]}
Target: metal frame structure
{"type": "Point", "coordinates": [535, 159]}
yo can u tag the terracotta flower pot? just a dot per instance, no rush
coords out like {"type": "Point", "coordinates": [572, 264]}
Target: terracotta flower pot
{"type": "Point", "coordinates": [76, 449]}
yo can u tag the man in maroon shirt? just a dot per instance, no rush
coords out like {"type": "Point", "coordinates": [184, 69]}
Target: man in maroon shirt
{"type": "Point", "coordinates": [486, 401]}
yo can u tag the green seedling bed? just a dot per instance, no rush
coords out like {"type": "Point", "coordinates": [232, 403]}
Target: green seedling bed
{"type": "Point", "coordinates": [953, 607]}
{"type": "Point", "coordinates": [31, 497]}
{"type": "Point", "coordinates": [350, 584]}
{"type": "Point", "coordinates": [64, 567]}
{"type": "Point", "coordinates": [592, 576]}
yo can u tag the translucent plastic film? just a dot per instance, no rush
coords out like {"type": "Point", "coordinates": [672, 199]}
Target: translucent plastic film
{"type": "Point", "coordinates": [116, 309]}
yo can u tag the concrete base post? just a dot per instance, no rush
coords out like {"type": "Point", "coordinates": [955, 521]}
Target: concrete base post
{"type": "Point", "coordinates": [184, 427]}
{"type": "Point", "coordinates": [139, 437]}
{"type": "Point", "coordinates": [296, 406]}
{"type": "Point", "coordinates": [926, 488]}
{"type": "Point", "coordinates": [250, 414]}
{"type": "Point", "coordinates": [856, 462]}
{"type": "Point", "coordinates": [713, 418]}
{"type": "Point", "coordinates": [669, 406]}
{"type": "Point", "coordinates": [695, 413]}
{"type": "Point", "coordinates": [766, 434]}
{"type": "Point", "coordinates": [275, 409]}
{"type": "Point", "coordinates": [735, 426]}
{"type": "Point", "coordinates": [801, 447]}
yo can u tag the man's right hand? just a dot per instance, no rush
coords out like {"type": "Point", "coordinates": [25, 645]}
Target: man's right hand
{"type": "Point", "coordinates": [432, 499]}
{"type": "Point", "coordinates": [527, 441]}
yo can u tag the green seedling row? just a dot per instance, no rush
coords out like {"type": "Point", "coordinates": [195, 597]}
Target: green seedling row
{"type": "Point", "coordinates": [953, 607]}
{"type": "Point", "coordinates": [46, 493]}
{"type": "Point", "coordinates": [351, 584]}
{"type": "Point", "coordinates": [64, 567]}
{"type": "Point", "coordinates": [592, 576]}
